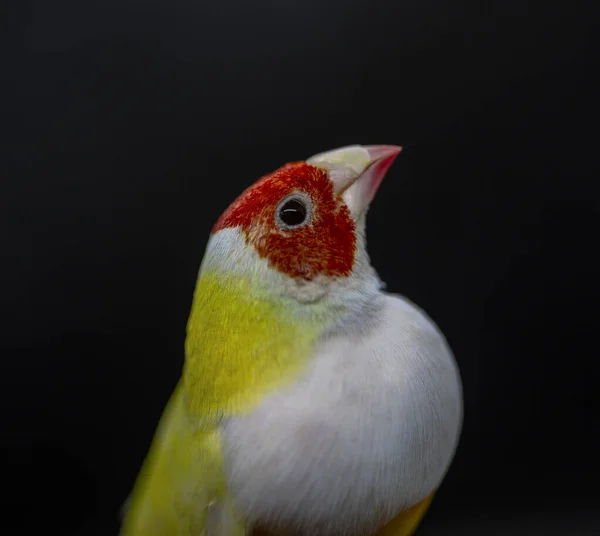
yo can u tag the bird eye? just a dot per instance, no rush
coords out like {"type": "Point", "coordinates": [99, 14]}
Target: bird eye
{"type": "Point", "coordinates": [293, 212]}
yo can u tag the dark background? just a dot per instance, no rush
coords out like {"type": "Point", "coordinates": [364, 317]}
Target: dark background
{"type": "Point", "coordinates": [128, 127]}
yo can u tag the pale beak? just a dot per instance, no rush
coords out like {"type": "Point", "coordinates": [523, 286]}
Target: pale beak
{"type": "Point", "coordinates": [357, 171]}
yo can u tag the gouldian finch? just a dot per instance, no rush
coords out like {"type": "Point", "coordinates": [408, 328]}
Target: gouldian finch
{"type": "Point", "coordinates": [311, 402]}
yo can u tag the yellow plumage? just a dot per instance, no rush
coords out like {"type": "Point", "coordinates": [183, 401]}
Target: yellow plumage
{"type": "Point", "coordinates": [179, 478]}
{"type": "Point", "coordinates": [407, 522]}
{"type": "Point", "coordinates": [239, 345]}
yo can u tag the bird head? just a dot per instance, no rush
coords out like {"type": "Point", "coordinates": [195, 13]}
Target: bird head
{"type": "Point", "coordinates": [298, 232]}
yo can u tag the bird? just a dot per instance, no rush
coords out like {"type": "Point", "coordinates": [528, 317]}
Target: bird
{"type": "Point", "coordinates": [312, 401]}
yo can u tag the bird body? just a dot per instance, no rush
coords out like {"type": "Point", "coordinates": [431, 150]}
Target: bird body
{"type": "Point", "coordinates": [311, 402]}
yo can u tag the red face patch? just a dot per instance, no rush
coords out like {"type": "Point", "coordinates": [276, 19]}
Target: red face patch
{"type": "Point", "coordinates": [325, 245]}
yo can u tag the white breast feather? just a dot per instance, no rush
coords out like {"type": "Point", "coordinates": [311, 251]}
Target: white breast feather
{"type": "Point", "coordinates": [369, 429]}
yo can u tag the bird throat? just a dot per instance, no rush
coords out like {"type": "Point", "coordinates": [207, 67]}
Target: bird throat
{"type": "Point", "coordinates": [241, 345]}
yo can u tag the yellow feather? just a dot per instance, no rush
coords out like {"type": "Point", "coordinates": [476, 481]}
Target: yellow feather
{"type": "Point", "coordinates": [407, 522]}
{"type": "Point", "coordinates": [239, 347]}
{"type": "Point", "coordinates": [180, 477]}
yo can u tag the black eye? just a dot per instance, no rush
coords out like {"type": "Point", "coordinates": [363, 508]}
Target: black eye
{"type": "Point", "coordinates": [293, 212]}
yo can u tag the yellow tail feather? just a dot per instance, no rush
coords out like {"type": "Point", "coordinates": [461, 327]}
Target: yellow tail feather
{"type": "Point", "coordinates": [407, 522]}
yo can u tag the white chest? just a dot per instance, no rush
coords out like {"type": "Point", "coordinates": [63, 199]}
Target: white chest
{"type": "Point", "coordinates": [370, 428]}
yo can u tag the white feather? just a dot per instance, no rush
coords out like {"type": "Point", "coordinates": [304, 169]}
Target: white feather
{"type": "Point", "coordinates": [369, 429]}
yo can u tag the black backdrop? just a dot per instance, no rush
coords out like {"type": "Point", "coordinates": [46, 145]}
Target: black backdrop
{"type": "Point", "coordinates": [127, 127]}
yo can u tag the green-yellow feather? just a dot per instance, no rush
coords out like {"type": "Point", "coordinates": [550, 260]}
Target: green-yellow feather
{"type": "Point", "coordinates": [240, 345]}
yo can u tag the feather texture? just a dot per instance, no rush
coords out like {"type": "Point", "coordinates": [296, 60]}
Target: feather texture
{"type": "Point", "coordinates": [311, 403]}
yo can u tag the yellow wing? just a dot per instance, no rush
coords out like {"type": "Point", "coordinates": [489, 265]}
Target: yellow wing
{"type": "Point", "coordinates": [179, 479]}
